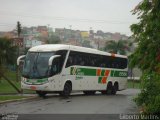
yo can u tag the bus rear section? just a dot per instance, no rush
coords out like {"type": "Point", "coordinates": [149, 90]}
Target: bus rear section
{"type": "Point", "coordinates": [96, 72]}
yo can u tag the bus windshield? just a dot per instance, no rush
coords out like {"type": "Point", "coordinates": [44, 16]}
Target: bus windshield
{"type": "Point", "coordinates": [36, 64]}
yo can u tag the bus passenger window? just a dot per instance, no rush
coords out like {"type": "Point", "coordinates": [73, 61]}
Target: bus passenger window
{"type": "Point", "coordinates": [82, 63]}
{"type": "Point", "coordinates": [69, 61]}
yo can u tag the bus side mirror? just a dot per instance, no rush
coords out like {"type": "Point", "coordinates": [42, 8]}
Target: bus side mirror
{"type": "Point", "coordinates": [52, 58]}
{"type": "Point", "coordinates": [20, 59]}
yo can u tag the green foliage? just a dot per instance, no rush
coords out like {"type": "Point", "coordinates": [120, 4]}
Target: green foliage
{"type": "Point", "coordinates": [147, 55]}
{"type": "Point", "coordinates": [147, 34]}
{"type": "Point", "coordinates": [7, 51]}
{"type": "Point", "coordinates": [120, 47]}
{"type": "Point", "coordinates": [150, 93]}
{"type": "Point", "coordinates": [86, 44]}
{"type": "Point", "coordinates": [53, 39]}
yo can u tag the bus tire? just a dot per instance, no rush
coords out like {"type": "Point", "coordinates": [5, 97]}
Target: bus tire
{"type": "Point", "coordinates": [41, 93]}
{"type": "Point", "coordinates": [67, 90]}
{"type": "Point", "coordinates": [89, 92]}
{"type": "Point", "coordinates": [113, 90]}
{"type": "Point", "coordinates": [109, 89]}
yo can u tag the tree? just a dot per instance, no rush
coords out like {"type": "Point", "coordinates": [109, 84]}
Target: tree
{"type": "Point", "coordinates": [54, 39]}
{"type": "Point", "coordinates": [7, 56]}
{"type": "Point", "coordinates": [116, 47]}
{"type": "Point", "coordinates": [7, 52]}
{"type": "Point", "coordinates": [147, 54]}
{"type": "Point", "coordinates": [86, 43]}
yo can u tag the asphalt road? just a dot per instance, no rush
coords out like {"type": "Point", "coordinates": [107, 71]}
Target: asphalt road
{"type": "Point", "coordinates": [77, 103]}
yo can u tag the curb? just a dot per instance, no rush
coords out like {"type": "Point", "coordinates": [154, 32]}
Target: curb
{"type": "Point", "coordinates": [21, 99]}
{"type": "Point", "coordinates": [16, 93]}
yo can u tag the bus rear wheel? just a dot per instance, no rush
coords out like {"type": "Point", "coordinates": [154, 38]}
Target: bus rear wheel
{"type": "Point", "coordinates": [89, 92]}
{"type": "Point", "coordinates": [111, 90]}
{"type": "Point", "coordinates": [114, 89]}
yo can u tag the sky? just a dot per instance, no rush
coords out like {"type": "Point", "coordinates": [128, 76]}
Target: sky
{"type": "Point", "coordinates": [106, 15]}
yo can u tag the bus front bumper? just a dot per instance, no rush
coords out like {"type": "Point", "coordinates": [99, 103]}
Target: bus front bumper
{"type": "Point", "coordinates": [35, 87]}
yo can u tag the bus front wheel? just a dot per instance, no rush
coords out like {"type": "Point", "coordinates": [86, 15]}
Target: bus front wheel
{"type": "Point", "coordinates": [67, 90]}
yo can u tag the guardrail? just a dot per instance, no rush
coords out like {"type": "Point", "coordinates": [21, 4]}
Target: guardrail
{"type": "Point", "coordinates": [134, 78]}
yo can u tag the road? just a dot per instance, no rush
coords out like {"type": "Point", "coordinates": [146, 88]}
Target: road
{"type": "Point", "coordinates": [77, 103]}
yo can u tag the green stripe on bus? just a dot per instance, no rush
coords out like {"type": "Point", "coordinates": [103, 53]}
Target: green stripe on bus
{"type": "Point", "coordinates": [102, 73]}
{"type": "Point", "coordinates": [92, 72]}
{"type": "Point", "coordinates": [115, 73]}
{"type": "Point", "coordinates": [83, 71]}
{"type": "Point", "coordinates": [99, 79]}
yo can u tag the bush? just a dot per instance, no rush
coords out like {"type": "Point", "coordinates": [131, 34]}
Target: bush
{"type": "Point", "coordinates": [149, 98]}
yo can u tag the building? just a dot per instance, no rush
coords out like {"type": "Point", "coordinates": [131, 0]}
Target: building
{"type": "Point", "coordinates": [32, 43]}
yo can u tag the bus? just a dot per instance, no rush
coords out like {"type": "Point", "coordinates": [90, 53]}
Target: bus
{"type": "Point", "coordinates": [66, 68]}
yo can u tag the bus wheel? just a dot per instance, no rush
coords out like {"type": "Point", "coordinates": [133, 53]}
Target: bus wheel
{"type": "Point", "coordinates": [41, 93]}
{"type": "Point", "coordinates": [67, 90]}
{"type": "Point", "coordinates": [109, 89]}
{"type": "Point", "coordinates": [89, 92]}
{"type": "Point", "coordinates": [114, 89]}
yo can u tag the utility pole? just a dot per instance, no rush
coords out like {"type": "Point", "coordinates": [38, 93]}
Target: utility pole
{"type": "Point", "coordinates": [19, 30]}
{"type": "Point", "coordinates": [98, 43]}
{"type": "Point", "coordinates": [48, 33]}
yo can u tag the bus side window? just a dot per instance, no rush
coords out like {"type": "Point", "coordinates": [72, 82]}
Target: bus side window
{"type": "Point", "coordinates": [55, 68]}
{"type": "Point", "coordinates": [82, 63]}
{"type": "Point", "coordinates": [62, 58]}
{"type": "Point", "coordinates": [69, 61]}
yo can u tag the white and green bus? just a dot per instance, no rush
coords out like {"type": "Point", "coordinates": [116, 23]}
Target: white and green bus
{"type": "Point", "coordinates": [65, 68]}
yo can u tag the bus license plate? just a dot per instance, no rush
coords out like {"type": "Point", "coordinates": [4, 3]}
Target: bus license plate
{"type": "Point", "coordinates": [33, 87]}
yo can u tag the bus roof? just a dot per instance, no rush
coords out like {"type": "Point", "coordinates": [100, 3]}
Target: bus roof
{"type": "Point", "coordinates": [56, 47]}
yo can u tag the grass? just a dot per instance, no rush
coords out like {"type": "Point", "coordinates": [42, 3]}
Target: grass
{"type": "Point", "coordinates": [134, 84]}
{"type": "Point", "coordinates": [5, 87]}
{"type": "Point", "coordinates": [6, 97]}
